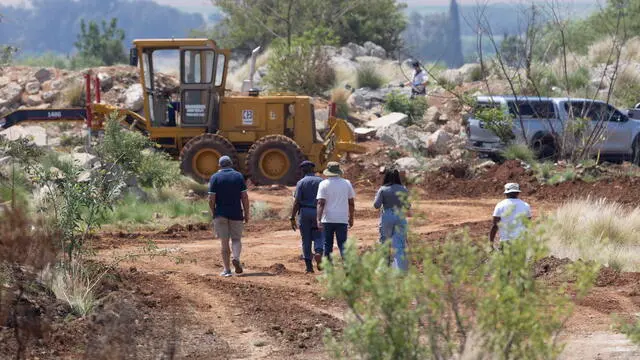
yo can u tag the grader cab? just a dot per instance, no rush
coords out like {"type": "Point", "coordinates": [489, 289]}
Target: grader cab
{"type": "Point", "coordinates": [266, 136]}
{"type": "Point", "coordinates": [200, 121]}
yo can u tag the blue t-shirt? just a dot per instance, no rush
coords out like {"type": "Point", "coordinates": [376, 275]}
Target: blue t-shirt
{"type": "Point", "coordinates": [228, 185]}
{"type": "Point", "coordinates": [307, 190]}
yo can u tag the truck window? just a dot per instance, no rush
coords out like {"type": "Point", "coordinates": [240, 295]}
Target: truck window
{"type": "Point", "coordinates": [532, 109]}
{"type": "Point", "coordinates": [594, 111]}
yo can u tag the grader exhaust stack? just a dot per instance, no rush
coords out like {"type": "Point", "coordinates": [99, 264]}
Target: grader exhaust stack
{"type": "Point", "coordinates": [247, 85]}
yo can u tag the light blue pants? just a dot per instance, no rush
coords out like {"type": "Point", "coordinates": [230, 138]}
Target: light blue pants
{"type": "Point", "coordinates": [394, 227]}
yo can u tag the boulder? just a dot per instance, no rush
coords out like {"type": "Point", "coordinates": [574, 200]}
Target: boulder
{"type": "Point", "coordinates": [43, 75]}
{"type": "Point", "coordinates": [4, 81]}
{"type": "Point", "coordinates": [432, 115]}
{"type": "Point", "coordinates": [437, 143]}
{"type": "Point", "coordinates": [11, 93]}
{"type": "Point", "coordinates": [389, 119]}
{"type": "Point", "coordinates": [366, 98]}
{"type": "Point", "coordinates": [368, 60]}
{"type": "Point", "coordinates": [430, 127]}
{"type": "Point", "coordinates": [322, 118]}
{"type": "Point", "coordinates": [50, 96]}
{"type": "Point", "coordinates": [343, 63]}
{"type": "Point", "coordinates": [57, 85]}
{"type": "Point", "coordinates": [133, 98]}
{"type": "Point", "coordinates": [347, 53]}
{"type": "Point", "coordinates": [37, 133]}
{"type": "Point", "coordinates": [364, 133]}
{"type": "Point", "coordinates": [84, 160]}
{"type": "Point", "coordinates": [375, 50]}
{"type": "Point", "coordinates": [356, 100]}
{"type": "Point", "coordinates": [357, 50]}
{"type": "Point", "coordinates": [106, 81]}
{"type": "Point", "coordinates": [330, 51]}
{"type": "Point", "coordinates": [407, 164]}
{"type": "Point", "coordinates": [32, 100]}
{"type": "Point", "coordinates": [32, 88]}
{"type": "Point", "coordinates": [408, 139]}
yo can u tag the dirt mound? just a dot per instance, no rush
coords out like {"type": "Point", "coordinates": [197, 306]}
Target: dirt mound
{"type": "Point", "coordinates": [177, 228]}
{"type": "Point", "coordinates": [277, 268]}
{"type": "Point", "coordinates": [549, 265]}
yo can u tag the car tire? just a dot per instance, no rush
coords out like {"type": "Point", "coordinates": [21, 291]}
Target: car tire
{"type": "Point", "coordinates": [636, 151]}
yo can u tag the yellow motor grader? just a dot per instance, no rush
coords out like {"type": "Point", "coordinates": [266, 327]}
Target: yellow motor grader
{"type": "Point", "coordinates": [266, 136]}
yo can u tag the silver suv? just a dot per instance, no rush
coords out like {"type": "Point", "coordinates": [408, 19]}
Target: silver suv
{"type": "Point", "coordinates": [544, 117]}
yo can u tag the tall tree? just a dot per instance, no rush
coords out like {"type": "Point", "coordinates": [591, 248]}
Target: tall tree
{"type": "Point", "coordinates": [454, 57]}
{"type": "Point", "coordinates": [103, 43]}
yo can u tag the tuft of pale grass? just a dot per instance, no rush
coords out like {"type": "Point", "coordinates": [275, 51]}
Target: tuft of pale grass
{"type": "Point", "coordinates": [74, 95]}
{"type": "Point", "coordinates": [519, 152]}
{"type": "Point", "coordinates": [260, 210]}
{"type": "Point", "coordinates": [369, 77]}
{"type": "Point", "coordinates": [73, 284]}
{"type": "Point", "coordinates": [602, 52]}
{"type": "Point", "coordinates": [235, 79]}
{"type": "Point", "coordinates": [626, 87]}
{"type": "Point", "coordinates": [596, 230]}
{"type": "Point", "coordinates": [340, 97]}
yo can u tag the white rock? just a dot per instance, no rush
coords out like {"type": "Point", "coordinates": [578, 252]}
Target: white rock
{"type": "Point", "coordinates": [357, 49]}
{"type": "Point", "coordinates": [50, 96]}
{"type": "Point", "coordinates": [347, 53]}
{"type": "Point", "coordinates": [408, 139]}
{"type": "Point", "coordinates": [375, 50]}
{"type": "Point", "coordinates": [390, 119]}
{"type": "Point", "coordinates": [372, 60]}
{"type": "Point", "coordinates": [322, 119]}
{"type": "Point", "coordinates": [32, 88]}
{"type": "Point", "coordinates": [437, 143]}
{"type": "Point", "coordinates": [43, 75]}
{"type": "Point", "coordinates": [485, 165]}
{"type": "Point", "coordinates": [356, 100]}
{"type": "Point", "coordinates": [57, 85]}
{"type": "Point", "coordinates": [4, 81]}
{"type": "Point", "coordinates": [469, 71]}
{"type": "Point", "coordinates": [452, 77]}
{"type": "Point", "coordinates": [37, 133]}
{"type": "Point", "coordinates": [84, 160]}
{"type": "Point", "coordinates": [133, 98]}
{"type": "Point", "coordinates": [33, 100]}
{"type": "Point", "coordinates": [362, 133]}
{"type": "Point", "coordinates": [407, 164]}
{"type": "Point", "coordinates": [432, 115]}
{"type": "Point", "coordinates": [11, 92]}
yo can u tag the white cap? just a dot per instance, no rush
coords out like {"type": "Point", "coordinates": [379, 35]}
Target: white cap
{"type": "Point", "coordinates": [511, 188]}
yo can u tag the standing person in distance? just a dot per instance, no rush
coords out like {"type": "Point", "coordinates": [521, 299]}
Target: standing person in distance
{"type": "Point", "coordinates": [336, 208]}
{"type": "Point", "coordinates": [509, 216]}
{"type": "Point", "coordinates": [419, 82]}
{"type": "Point", "coordinates": [305, 210]}
{"type": "Point", "coordinates": [392, 197]}
{"type": "Point", "coordinates": [229, 204]}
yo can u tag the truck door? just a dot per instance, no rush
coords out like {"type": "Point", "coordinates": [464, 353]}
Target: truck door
{"type": "Point", "coordinates": [197, 71]}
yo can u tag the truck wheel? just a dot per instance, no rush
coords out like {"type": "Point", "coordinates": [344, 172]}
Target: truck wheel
{"type": "Point", "coordinates": [274, 159]}
{"type": "Point", "coordinates": [544, 149]}
{"type": "Point", "coordinates": [636, 151]}
{"type": "Point", "coordinates": [199, 157]}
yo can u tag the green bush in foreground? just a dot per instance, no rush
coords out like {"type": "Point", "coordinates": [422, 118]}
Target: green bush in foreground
{"type": "Point", "coordinates": [519, 152]}
{"type": "Point", "coordinates": [464, 301]}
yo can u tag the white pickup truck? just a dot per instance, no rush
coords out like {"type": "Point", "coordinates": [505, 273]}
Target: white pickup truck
{"type": "Point", "coordinates": [544, 117]}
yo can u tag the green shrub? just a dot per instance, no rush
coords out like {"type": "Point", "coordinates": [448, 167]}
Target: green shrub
{"type": "Point", "coordinates": [519, 152]}
{"type": "Point", "coordinates": [579, 79]}
{"type": "Point", "coordinates": [71, 140]}
{"type": "Point", "coordinates": [498, 121]}
{"type": "Point", "coordinates": [368, 77]}
{"type": "Point", "coordinates": [304, 66]}
{"type": "Point", "coordinates": [48, 59]}
{"type": "Point", "coordinates": [80, 62]}
{"type": "Point", "coordinates": [157, 169]}
{"type": "Point", "coordinates": [414, 108]}
{"type": "Point", "coordinates": [544, 170]}
{"type": "Point", "coordinates": [626, 88]}
{"type": "Point", "coordinates": [461, 301]}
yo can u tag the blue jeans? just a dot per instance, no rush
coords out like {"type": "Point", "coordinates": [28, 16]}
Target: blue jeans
{"type": "Point", "coordinates": [340, 231]}
{"type": "Point", "coordinates": [394, 227]}
{"type": "Point", "coordinates": [310, 232]}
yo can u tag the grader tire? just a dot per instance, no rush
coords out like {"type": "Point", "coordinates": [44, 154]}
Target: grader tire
{"type": "Point", "coordinates": [199, 157]}
{"type": "Point", "coordinates": [274, 159]}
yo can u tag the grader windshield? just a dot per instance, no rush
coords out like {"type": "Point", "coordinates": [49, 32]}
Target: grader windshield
{"type": "Point", "coordinates": [201, 69]}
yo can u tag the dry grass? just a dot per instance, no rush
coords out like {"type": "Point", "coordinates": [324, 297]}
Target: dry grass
{"type": "Point", "coordinates": [603, 51]}
{"type": "Point", "coordinates": [73, 284]}
{"type": "Point", "coordinates": [74, 95]}
{"type": "Point", "coordinates": [340, 97]}
{"type": "Point", "coordinates": [235, 79]}
{"type": "Point", "coordinates": [597, 230]}
{"type": "Point", "coordinates": [626, 87]}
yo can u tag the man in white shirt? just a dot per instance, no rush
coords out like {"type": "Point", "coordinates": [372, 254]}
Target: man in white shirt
{"type": "Point", "coordinates": [336, 208]}
{"type": "Point", "coordinates": [419, 82]}
{"type": "Point", "coordinates": [509, 215]}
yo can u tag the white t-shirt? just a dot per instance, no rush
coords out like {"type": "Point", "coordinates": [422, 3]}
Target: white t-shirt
{"type": "Point", "coordinates": [336, 192]}
{"type": "Point", "coordinates": [512, 213]}
{"type": "Point", "coordinates": [419, 79]}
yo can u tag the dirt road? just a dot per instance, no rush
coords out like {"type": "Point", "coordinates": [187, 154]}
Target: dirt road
{"type": "Point", "coordinates": [274, 310]}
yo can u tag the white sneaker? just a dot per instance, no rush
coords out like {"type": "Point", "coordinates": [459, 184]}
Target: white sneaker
{"type": "Point", "coordinates": [226, 273]}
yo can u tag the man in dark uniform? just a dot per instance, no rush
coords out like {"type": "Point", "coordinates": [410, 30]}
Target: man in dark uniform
{"type": "Point", "coordinates": [304, 209]}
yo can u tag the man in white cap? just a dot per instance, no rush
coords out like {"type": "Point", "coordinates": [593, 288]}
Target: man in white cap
{"type": "Point", "coordinates": [509, 215]}
{"type": "Point", "coordinates": [336, 208]}
{"type": "Point", "coordinates": [229, 204]}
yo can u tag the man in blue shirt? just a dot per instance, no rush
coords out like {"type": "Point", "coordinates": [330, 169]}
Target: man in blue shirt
{"type": "Point", "coordinates": [229, 204]}
{"type": "Point", "coordinates": [304, 207]}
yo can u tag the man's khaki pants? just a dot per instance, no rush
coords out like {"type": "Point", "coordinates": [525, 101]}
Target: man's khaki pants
{"type": "Point", "coordinates": [229, 229]}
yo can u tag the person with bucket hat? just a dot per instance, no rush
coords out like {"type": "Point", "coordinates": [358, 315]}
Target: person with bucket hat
{"type": "Point", "coordinates": [336, 208]}
{"type": "Point", "coordinates": [229, 204]}
{"type": "Point", "coordinates": [303, 215]}
{"type": "Point", "coordinates": [509, 216]}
